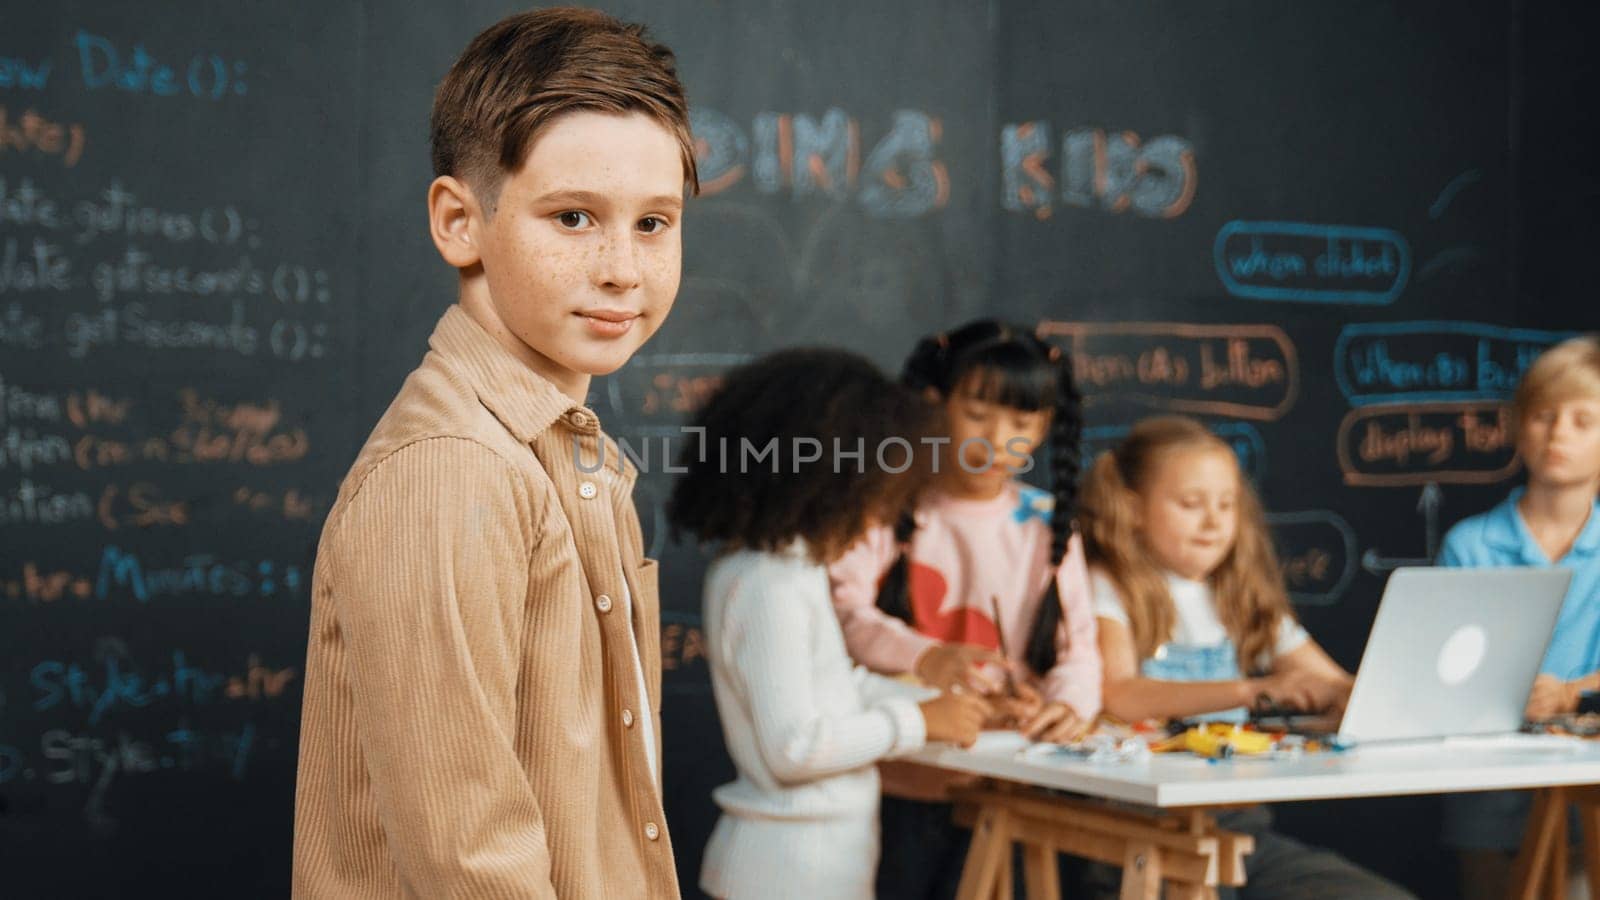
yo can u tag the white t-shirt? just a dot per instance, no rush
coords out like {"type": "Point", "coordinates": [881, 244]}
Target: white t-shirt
{"type": "Point", "coordinates": [647, 727]}
{"type": "Point", "coordinates": [1197, 623]}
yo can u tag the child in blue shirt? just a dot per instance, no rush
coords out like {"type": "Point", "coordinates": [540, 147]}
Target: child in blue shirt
{"type": "Point", "coordinates": [1551, 521]}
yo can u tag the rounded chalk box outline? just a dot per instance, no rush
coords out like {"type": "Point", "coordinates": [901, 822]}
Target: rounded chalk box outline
{"type": "Point", "coordinates": [1238, 227]}
{"type": "Point", "coordinates": [1354, 476]}
{"type": "Point", "coordinates": [1482, 331]}
{"type": "Point", "coordinates": [1072, 337]}
{"type": "Point", "coordinates": [1347, 535]}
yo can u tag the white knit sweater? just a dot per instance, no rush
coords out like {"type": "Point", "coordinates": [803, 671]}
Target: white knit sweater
{"type": "Point", "coordinates": [804, 726]}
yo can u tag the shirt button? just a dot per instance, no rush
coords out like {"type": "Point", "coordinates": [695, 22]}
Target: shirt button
{"type": "Point", "coordinates": [627, 718]}
{"type": "Point", "coordinates": [603, 603]}
{"type": "Point", "coordinates": [587, 490]}
{"type": "Point", "coordinates": [651, 831]}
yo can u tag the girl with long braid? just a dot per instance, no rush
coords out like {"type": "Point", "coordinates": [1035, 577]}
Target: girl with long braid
{"type": "Point", "coordinates": [984, 563]}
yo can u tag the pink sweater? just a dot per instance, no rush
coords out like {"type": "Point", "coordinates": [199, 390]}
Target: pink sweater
{"type": "Point", "coordinates": [964, 553]}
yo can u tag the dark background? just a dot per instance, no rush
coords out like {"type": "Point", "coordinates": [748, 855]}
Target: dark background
{"type": "Point", "coordinates": [237, 277]}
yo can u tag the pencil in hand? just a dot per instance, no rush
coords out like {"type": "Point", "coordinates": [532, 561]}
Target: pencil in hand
{"type": "Point", "coordinates": [1000, 631]}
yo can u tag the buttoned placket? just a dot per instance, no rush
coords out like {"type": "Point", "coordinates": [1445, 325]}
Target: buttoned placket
{"type": "Point", "coordinates": [593, 513]}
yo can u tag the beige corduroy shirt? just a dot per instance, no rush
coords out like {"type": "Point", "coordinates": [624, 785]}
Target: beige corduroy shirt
{"type": "Point", "coordinates": [472, 724]}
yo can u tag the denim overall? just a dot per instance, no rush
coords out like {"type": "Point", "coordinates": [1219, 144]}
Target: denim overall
{"type": "Point", "coordinates": [1198, 662]}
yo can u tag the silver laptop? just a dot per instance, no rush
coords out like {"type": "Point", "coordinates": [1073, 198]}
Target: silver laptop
{"type": "Point", "coordinates": [1453, 652]}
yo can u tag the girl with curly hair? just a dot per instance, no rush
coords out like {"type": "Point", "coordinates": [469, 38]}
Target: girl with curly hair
{"type": "Point", "coordinates": [801, 452]}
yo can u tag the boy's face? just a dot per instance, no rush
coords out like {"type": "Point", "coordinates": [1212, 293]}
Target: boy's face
{"type": "Point", "coordinates": [581, 256]}
{"type": "Point", "coordinates": [1560, 443]}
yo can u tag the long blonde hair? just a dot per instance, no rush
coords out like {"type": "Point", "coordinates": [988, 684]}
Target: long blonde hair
{"type": "Point", "coordinates": [1251, 598]}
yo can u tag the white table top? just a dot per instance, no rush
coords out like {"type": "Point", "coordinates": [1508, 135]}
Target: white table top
{"type": "Point", "coordinates": [1371, 770]}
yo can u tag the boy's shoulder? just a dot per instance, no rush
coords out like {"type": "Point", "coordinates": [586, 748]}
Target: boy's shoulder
{"type": "Point", "coordinates": [433, 407]}
{"type": "Point", "coordinates": [467, 404]}
{"type": "Point", "coordinates": [1484, 537]}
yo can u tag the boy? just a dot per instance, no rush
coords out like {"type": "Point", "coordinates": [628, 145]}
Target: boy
{"type": "Point", "coordinates": [483, 672]}
{"type": "Point", "coordinates": [1552, 521]}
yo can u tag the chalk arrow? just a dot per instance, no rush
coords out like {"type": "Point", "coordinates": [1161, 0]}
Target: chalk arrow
{"type": "Point", "coordinates": [1428, 507]}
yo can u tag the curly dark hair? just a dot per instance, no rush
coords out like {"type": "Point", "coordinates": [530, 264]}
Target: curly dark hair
{"type": "Point", "coordinates": [776, 460]}
{"type": "Point", "coordinates": [1012, 366]}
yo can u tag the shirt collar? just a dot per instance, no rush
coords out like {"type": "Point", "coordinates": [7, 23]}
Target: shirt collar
{"type": "Point", "coordinates": [524, 401]}
{"type": "Point", "coordinates": [1589, 538]}
{"type": "Point", "coordinates": [1508, 532]}
{"type": "Point", "coordinates": [1505, 530]}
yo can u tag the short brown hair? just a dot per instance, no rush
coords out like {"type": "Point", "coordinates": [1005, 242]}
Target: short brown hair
{"type": "Point", "coordinates": [1570, 370]}
{"type": "Point", "coordinates": [527, 69]}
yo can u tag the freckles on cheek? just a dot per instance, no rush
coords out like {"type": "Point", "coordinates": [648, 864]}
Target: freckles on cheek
{"type": "Point", "coordinates": [665, 272]}
{"type": "Point", "coordinates": [559, 264]}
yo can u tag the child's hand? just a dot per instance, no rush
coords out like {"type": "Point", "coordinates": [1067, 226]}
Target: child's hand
{"type": "Point", "coordinates": [946, 665]}
{"type": "Point", "coordinates": [1305, 691]}
{"type": "Point", "coordinates": [1011, 711]}
{"type": "Point", "coordinates": [1551, 697]}
{"type": "Point", "coordinates": [955, 717]}
{"type": "Point", "coordinates": [1056, 723]}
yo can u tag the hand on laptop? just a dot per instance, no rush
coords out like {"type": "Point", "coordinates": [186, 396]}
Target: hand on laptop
{"type": "Point", "coordinates": [1551, 697]}
{"type": "Point", "coordinates": [1303, 691]}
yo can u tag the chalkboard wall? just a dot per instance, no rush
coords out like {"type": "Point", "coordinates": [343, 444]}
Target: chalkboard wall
{"type": "Point", "coordinates": [1335, 232]}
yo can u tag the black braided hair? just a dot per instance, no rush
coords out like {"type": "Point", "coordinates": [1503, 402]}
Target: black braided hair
{"type": "Point", "coordinates": [1065, 429]}
{"type": "Point", "coordinates": [1018, 369]}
